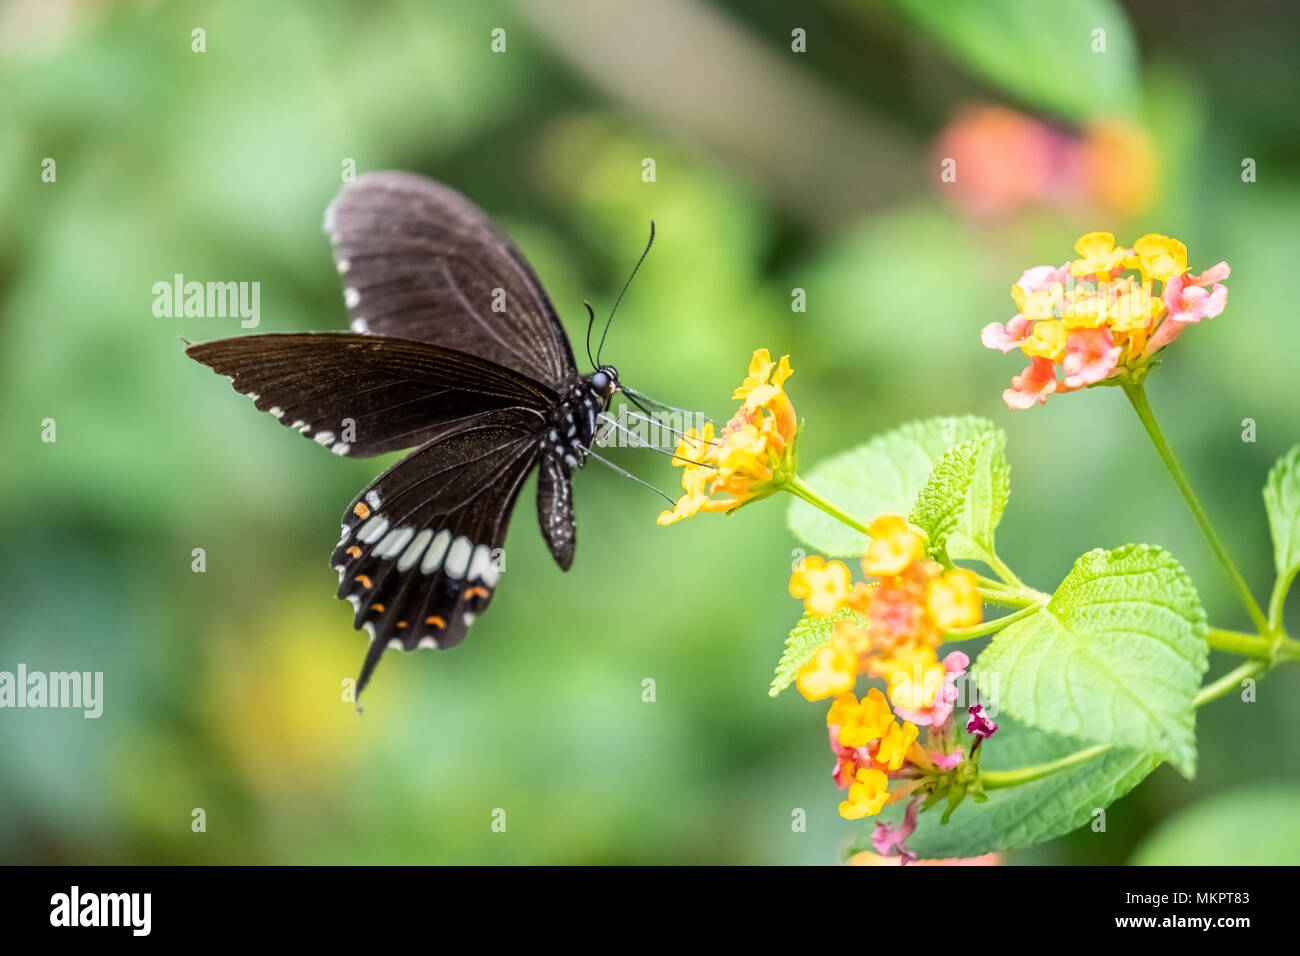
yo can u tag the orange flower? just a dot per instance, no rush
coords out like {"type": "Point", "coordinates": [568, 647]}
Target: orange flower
{"type": "Point", "coordinates": [747, 459]}
{"type": "Point", "coordinates": [894, 545]}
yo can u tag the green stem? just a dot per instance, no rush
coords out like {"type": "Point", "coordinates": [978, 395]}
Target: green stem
{"type": "Point", "coordinates": [1138, 398]}
{"type": "Point", "coordinates": [1275, 603]}
{"type": "Point", "coordinates": [1230, 680]}
{"type": "Point", "coordinates": [988, 627]}
{"type": "Point", "coordinates": [799, 488]}
{"type": "Point", "coordinates": [1004, 572]}
{"type": "Point", "coordinates": [999, 779]}
{"type": "Point", "coordinates": [1235, 642]}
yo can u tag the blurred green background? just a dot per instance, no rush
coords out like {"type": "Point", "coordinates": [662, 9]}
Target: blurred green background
{"type": "Point", "coordinates": [775, 170]}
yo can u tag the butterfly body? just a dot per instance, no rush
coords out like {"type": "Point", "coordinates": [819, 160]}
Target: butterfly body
{"type": "Point", "coordinates": [457, 353]}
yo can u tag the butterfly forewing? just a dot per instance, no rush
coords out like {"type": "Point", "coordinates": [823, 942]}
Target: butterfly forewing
{"type": "Point", "coordinates": [419, 260]}
{"type": "Point", "coordinates": [362, 395]}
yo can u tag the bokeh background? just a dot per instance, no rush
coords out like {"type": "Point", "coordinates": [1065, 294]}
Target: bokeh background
{"type": "Point", "coordinates": [775, 170]}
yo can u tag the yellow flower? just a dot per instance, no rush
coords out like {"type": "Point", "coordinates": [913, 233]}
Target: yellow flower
{"type": "Point", "coordinates": [953, 600]}
{"type": "Point", "coordinates": [1047, 340]}
{"type": "Point", "coordinates": [895, 745]}
{"type": "Point", "coordinates": [867, 796]}
{"type": "Point", "coordinates": [822, 586]}
{"type": "Point", "coordinates": [740, 464]}
{"type": "Point", "coordinates": [914, 675]}
{"type": "Point", "coordinates": [1040, 304]}
{"type": "Point", "coordinates": [1099, 254]}
{"type": "Point", "coordinates": [832, 671]}
{"type": "Point", "coordinates": [1160, 257]}
{"type": "Point", "coordinates": [894, 545]}
{"type": "Point", "coordinates": [860, 723]}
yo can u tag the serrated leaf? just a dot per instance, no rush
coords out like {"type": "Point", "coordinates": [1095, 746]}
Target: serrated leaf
{"type": "Point", "coordinates": [990, 488]}
{"type": "Point", "coordinates": [806, 639]}
{"type": "Point", "coordinates": [1044, 53]}
{"type": "Point", "coordinates": [942, 502]}
{"type": "Point", "coordinates": [1282, 501]}
{"type": "Point", "coordinates": [882, 476]}
{"type": "Point", "coordinates": [1031, 813]}
{"type": "Point", "coordinates": [1116, 656]}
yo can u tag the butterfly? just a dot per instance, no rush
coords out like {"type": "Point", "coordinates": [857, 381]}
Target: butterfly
{"type": "Point", "coordinates": [455, 352]}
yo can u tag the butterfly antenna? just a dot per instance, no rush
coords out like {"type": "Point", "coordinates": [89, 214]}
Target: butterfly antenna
{"type": "Point", "coordinates": [628, 474]}
{"type": "Point", "coordinates": [639, 442]}
{"type": "Point", "coordinates": [591, 320]}
{"type": "Point", "coordinates": [610, 320]}
{"type": "Point", "coordinates": [668, 428]}
{"type": "Point", "coordinates": [634, 395]}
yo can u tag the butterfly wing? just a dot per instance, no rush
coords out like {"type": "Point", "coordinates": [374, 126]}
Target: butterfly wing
{"type": "Point", "coordinates": [363, 395]}
{"type": "Point", "coordinates": [418, 260]}
{"type": "Point", "coordinates": [420, 553]}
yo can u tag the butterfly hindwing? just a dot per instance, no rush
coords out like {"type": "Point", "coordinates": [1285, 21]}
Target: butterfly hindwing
{"type": "Point", "coordinates": [363, 395]}
{"type": "Point", "coordinates": [420, 552]}
{"type": "Point", "coordinates": [418, 260]}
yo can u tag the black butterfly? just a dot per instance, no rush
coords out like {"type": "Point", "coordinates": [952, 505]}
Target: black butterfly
{"type": "Point", "coordinates": [456, 352]}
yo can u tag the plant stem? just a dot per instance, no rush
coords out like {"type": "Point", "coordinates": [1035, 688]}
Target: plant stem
{"type": "Point", "coordinates": [1230, 680]}
{"type": "Point", "coordinates": [988, 627]}
{"type": "Point", "coordinates": [1138, 399]}
{"type": "Point", "coordinates": [1004, 572]}
{"type": "Point", "coordinates": [999, 779]}
{"type": "Point", "coordinates": [1280, 587]}
{"type": "Point", "coordinates": [799, 488]}
{"type": "Point", "coordinates": [1235, 642]}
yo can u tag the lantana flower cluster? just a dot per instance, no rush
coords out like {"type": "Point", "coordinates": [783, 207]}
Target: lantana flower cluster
{"type": "Point", "coordinates": [744, 461]}
{"type": "Point", "coordinates": [1104, 316]}
{"type": "Point", "coordinates": [901, 615]}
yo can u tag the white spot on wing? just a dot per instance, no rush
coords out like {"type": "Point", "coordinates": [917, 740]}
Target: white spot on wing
{"type": "Point", "coordinates": [480, 564]}
{"type": "Point", "coordinates": [412, 553]}
{"type": "Point", "coordinates": [323, 438]}
{"type": "Point", "coordinates": [433, 557]}
{"type": "Point", "coordinates": [341, 448]}
{"type": "Point", "coordinates": [351, 297]}
{"type": "Point", "coordinates": [458, 557]}
{"type": "Point", "coordinates": [373, 529]}
{"type": "Point", "coordinates": [394, 542]}
{"type": "Point", "coordinates": [343, 266]}
{"type": "Point", "coordinates": [361, 325]}
{"type": "Point", "coordinates": [372, 499]}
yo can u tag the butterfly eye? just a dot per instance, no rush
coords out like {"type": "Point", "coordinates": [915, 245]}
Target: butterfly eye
{"type": "Point", "coordinates": [600, 381]}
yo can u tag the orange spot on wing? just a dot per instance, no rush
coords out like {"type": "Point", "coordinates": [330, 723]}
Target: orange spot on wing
{"type": "Point", "coordinates": [377, 608]}
{"type": "Point", "coordinates": [354, 551]}
{"type": "Point", "coordinates": [363, 580]}
{"type": "Point", "coordinates": [477, 591]}
{"type": "Point", "coordinates": [361, 510]}
{"type": "Point", "coordinates": [435, 621]}
{"type": "Point", "coordinates": [401, 624]}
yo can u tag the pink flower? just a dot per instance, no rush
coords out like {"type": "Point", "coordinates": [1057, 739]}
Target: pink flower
{"type": "Point", "coordinates": [1090, 356]}
{"type": "Point", "coordinates": [1211, 276]}
{"type": "Point", "coordinates": [978, 725]}
{"type": "Point", "coordinates": [1192, 301]}
{"type": "Point", "coordinates": [848, 760]}
{"type": "Point", "coordinates": [888, 840]}
{"type": "Point", "coordinates": [1034, 384]}
{"type": "Point", "coordinates": [1041, 278]}
{"type": "Point", "coordinates": [1006, 337]}
{"type": "Point", "coordinates": [948, 761]}
{"type": "Point", "coordinates": [954, 665]}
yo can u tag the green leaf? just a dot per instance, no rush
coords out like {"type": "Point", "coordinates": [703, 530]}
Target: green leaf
{"type": "Point", "coordinates": [1282, 501]}
{"type": "Point", "coordinates": [987, 499]}
{"type": "Point", "coordinates": [805, 640]}
{"type": "Point", "coordinates": [1031, 813]}
{"type": "Point", "coordinates": [942, 504]}
{"type": "Point", "coordinates": [1116, 656]}
{"type": "Point", "coordinates": [883, 476]}
{"type": "Point", "coordinates": [1041, 52]}
{"type": "Point", "coordinates": [1256, 825]}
